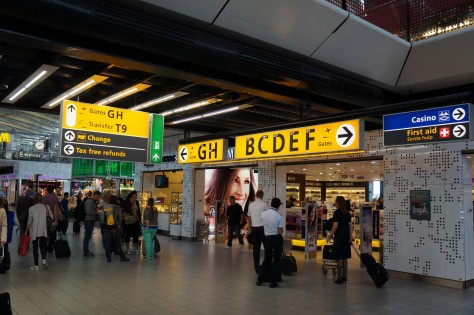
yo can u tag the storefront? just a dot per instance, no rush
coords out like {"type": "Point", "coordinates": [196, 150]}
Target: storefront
{"type": "Point", "coordinates": [166, 188]}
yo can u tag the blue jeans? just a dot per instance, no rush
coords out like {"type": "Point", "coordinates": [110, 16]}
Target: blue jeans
{"type": "Point", "coordinates": [148, 236]}
{"type": "Point", "coordinates": [234, 228]}
{"type": "Point", "coordinates": [89, 227]}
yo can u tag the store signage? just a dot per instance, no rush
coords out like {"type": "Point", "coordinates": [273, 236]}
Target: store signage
{"type": "Point", "coordinates": [450, 123]}
{"type": "Point", "coordinates": [340, 136]}
{"type": "Point", "coordinates": [202, 151]}
{"type": "Point", "coordinates": [99, 132]}
{"type": "Point", "coordinates": [156, 141]}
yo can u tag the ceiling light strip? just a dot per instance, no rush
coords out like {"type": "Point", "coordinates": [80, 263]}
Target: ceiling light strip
{"type": "Point", "coordinates": [127, 92]}
{"type": "Point", "coordinates": [33, 80]}
{"type": "Point", "coordinates": [159, 100]}
{"type": "Point", "coordinates": [75, 90]}
{"type": "Point", "coordinates": [191, 106]}
{"type": "Point", "coordinates": [214, 113]}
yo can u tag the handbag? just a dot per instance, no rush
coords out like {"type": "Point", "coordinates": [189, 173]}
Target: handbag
{"type": "Point", "coordinates": [23, 245]}
{"type": "Point", "coordinates": [288, 264]}
{"type": "Point", "coordinates": [51, 228]}
{"type": "Point", "coordinates": [129, 219]}
{"type": "Point", "coordinates": [157, 245]}
{"type": "Point", "coordinates": [60, 213]}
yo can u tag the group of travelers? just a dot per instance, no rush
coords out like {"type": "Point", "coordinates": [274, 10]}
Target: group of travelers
{"type": "Point", "coordinates": [43, 217]}
{"type": "Point", "coordinates": [265, 225]}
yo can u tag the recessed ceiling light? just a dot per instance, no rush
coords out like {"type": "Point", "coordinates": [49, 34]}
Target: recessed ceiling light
{"type": "Point", "coordinates": [338, 163]}
{"type": "Point", "coordinates": [304, 169]}
{"type": "Point", "coordinates": [352, 170]}
{"type": "Point", "coordinates": [371, 171]}
{"type": "Point", "coordinates": [330, 168]}
{"type": "Point", "coordinates": [321, 173]}
{"type": "Point", "coordinates": [373, 162]}
{"type": "Point", "coordinates": [291, 171]}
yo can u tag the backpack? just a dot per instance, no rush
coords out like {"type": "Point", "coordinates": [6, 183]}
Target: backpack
{"type": "Point", "coordinates": [109, 220]}
{"type": "Point", "coordinates": [80, 212]}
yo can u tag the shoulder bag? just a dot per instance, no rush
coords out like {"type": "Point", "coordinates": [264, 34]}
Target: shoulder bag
{"type": "Point", "coordinates": [49, 222]}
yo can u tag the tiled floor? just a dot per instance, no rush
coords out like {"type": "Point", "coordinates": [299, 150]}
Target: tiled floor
{"type": "Point", "coordinates": [196, 278]}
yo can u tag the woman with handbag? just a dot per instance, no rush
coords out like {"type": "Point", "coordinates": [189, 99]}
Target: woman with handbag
{"type": "Point", "coordinates": [131, 218]}
{"type": "Point", "coordinates": [149, 227]}
{"type": "Point", "coordinates": [37, 226]}
{"type": "Point", "coordinates": [3, 223]}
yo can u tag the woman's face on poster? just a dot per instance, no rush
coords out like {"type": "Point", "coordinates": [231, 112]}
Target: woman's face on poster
{"type": "Point", "coordinates": [240, 186]}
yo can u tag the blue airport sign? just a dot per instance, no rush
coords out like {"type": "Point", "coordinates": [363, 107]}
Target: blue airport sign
{"type": "Point", "coordinates": [450, 123]}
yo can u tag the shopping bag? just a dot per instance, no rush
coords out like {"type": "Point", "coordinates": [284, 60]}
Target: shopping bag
{"type": "Point", "coordinates": [23, 245]}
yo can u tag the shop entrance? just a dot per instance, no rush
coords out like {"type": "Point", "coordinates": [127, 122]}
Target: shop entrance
{"type": "Point", "coordinates": [359, 182]}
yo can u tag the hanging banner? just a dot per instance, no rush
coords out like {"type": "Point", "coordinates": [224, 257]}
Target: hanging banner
{"type": "Point", "coordinates": [366, 228]}
{"type": "Point", "coordinates": [311, 235]}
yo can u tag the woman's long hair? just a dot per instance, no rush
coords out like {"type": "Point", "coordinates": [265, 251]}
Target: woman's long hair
{"type": "Point", "coordinates": [341, 202]}
{"type": "Point", "coordinates": [218, 187]}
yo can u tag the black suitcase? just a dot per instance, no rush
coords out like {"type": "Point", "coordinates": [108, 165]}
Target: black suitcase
{"type": "Point", "coordinates": [61, 248]}
{"type": "Point", "coordinates": [375, 270]}
{"type": "Point", "coordinates": [5, 304]}
{"type": "Point", "coordinates": [5, 260]}
{"type": "Point", "coordinates": [265, 273]}
{"type": "Point", "coordinates": [288, 264]}
{"type": "Point", "coordinates": [76, 227]}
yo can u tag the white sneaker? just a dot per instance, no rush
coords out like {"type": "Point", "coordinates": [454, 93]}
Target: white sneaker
{"type": "Point", "coordinates": [228, 247]}
{"type": "Point", "coordinates": [137, 252]}
{"type": "Point", "coordinates": [128, 252]}
{"type": "Point", "coordinates": [45, 264]}
{"type": "Point", "coordinates": [35, 268]}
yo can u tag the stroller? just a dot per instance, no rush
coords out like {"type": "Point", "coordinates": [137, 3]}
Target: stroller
{"type": "Point", "coordinates": [328, 259]}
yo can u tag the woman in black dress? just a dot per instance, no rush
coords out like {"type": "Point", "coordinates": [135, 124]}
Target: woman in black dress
{"type": "Point", "coordinates": [342, 231]}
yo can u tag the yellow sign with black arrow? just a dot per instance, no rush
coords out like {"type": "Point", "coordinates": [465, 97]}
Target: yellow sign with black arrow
{"type": "Point", "coordinates": [331, 137]}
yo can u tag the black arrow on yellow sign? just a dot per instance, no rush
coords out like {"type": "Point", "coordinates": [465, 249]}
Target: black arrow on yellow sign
{"type": "Point", "coordinates": [348, 135]}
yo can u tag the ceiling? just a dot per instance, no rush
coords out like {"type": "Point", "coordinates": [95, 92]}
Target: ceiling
{"type": "Point", "coordinates": [132, 51]}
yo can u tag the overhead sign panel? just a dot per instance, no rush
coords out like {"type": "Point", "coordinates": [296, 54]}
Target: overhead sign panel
{"type": "Point", "coordinates": [209, 151]}
{"type": "Point", "coordinates": [100, 132]}
{"type": "Point", "coordinates": [156, 142]}
{"type": "Point", "coordinates": [450, 123]}
{"type": "Point", "coordinates": [332, 137]}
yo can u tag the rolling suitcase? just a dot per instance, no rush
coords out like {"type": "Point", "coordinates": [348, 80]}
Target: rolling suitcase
{"type": "Point", "coordinates": [76, 227]}
{"type": "Point", "coordinates": [4, 260]}
{"type": "Point", "coordinates": [5, 304]}
{"type": "Point", "coordinates": [61, 248]}
{"type": "Point", "coordinates": [375, 270]}
{"type": "Point", "coordinates": [288, 264]}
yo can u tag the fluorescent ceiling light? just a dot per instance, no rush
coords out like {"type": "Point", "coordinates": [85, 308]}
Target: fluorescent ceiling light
{"type": "Point", "coordinates": [218, 112]}
{"type": "Point", "coordinates": [191, 106]}
{"type": "Point", "coordinates": [131, 90]}
{"type": "Point", "coordinates": [159, 100]}
{"type": "Point", "coordinates": [33, 80]}
{"type": "Point", "coordinates": [84, 85]}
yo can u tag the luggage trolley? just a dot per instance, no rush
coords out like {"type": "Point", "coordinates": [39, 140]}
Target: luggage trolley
{"type": "Point", "coordinates": [328, 260]}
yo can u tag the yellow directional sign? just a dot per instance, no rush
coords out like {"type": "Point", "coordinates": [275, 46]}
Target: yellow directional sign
{"type": "Point", "coordinates": [99, 132]}
{"type": "Point", "coordinates": [112, 120]}
{"type": "Point", "coordinates": [332, 137]}
{"type": "Point", "coordinates": [201, 152]}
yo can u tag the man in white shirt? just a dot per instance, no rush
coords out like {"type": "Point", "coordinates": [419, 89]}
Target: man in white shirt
{"type": "Point", "coordinates": [273, 227]}
{"type": "Point", "coordinates": [256, 209]}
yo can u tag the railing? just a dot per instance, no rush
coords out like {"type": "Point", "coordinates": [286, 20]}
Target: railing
{"type": "Point", "coordinates": [413, 20]}
{"type": "Point", "coordinates": [37, 156]}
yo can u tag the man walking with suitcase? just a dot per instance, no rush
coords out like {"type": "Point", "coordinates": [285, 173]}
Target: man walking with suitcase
{"type": "Point", "coordinates": [256, 209]}
{"type": "Point", "coordinates": [273, 227]}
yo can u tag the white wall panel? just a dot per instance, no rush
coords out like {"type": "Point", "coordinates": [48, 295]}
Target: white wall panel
{"type": "Point", "coordinates": [297, 25]}
{"type": "Point", "coordinates": [204, 10]}
{"type": "Point", "coordinates": [442, 61]}
{"type": "Point", "coordinates": [365, 49]}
